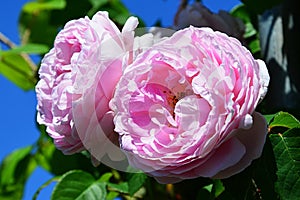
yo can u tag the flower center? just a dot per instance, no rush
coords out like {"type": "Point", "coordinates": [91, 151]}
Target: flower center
{"type": "Point", "coordinates": [151, 96]}
{"type": "Point", "coordinates": [171, 100]}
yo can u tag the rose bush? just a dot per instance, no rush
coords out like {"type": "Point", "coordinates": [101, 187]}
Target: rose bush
{"type": "Point", "coordinates": [185, 107]}
{"type": "Point", "coordinates": [80, 47]}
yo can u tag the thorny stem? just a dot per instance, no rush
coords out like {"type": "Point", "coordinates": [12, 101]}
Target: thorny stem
{"type": "Point", "coordinates": [257, 190]}
{"type": "Point", "coordinates": [6, 41]}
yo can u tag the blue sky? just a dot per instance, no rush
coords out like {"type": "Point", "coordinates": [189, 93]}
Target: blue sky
{"type": "Point", "coordinates": [17, 119]}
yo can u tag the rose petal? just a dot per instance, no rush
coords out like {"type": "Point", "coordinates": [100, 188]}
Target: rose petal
{"type": "Point", "coordinates": [253, 139]}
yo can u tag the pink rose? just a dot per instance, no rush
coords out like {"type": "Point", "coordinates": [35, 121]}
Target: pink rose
{"type": "Point", "coordinates": [99, 69]}
{"type": "Point", "coordinates": [185, 107]}
{"type": "Point", "coordinates": [80, 39]}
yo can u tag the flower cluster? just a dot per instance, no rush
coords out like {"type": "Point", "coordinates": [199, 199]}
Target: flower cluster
{"type": "Point", "coordinates": [177, 108]}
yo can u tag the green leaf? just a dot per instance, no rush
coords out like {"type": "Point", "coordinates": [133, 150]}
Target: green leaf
{"type": "Point", "coordinates": [254, 46]}
{"type": "Point", "coordinates": [70, 12]}
{"type": "Point", "coordinates": [36, 6]}
{"type": "Point", "coordinates": [218, 188]}
{"type": "Point", "coordinates": [112, 195]}
{"type": "Point", "coordinates": [105, 177]}
{"type": "Point", "coordinates": [269, 117]}
{"type": "Point", "coordinates": [54, 161]}
{"type": "Point", "coordinates": [250, 31]}
{"type": "Point", "coordinates": [27, 48]}
{"type": "Point", "coordinates": [15, 68]}
{"type": "Point", "coordinates": [78, 185]}
{"type": "Point", "coordinates": [284, 119]}
{"type": "Point", "coordinates": [211, 190]}
{"type": "Point", "coordinates": [135, 182]}
{"type": "Point", "coordinates": [242, 13]}
{"type": "Point", "coordinates": [117, 11]}
{"type": "Point", "coordinates": [96, 4]}
{"type": "Point", "coordinates": [10, 163]}
{"type": "Point", "coordinates": [121, 187]}
{"type": "Point", "coordinates": [286, 148]}
{"type": "Point", "coordinates": [44, 152]}
{"type": "Point", "coordinates": [251, 34]}
{"type": "Point", "coordinates": [208, 188]}
{"type": "Point", "coordinates": [14, 171]}
{"type": "Point", "coordinates": [32, 28]}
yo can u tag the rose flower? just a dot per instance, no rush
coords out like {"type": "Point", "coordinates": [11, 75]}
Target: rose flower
{"type": "Point", "coordinates": [80, 47]}
{"type": "Point", "coordinates": [185, 108]}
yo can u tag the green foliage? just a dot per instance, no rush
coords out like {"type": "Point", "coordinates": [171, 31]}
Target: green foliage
{"type": "Point", "coordinates": [285, 139]}
{"type": "Point", "coordinates": [284, 119]}
{"type": "Point", "coordinates": [52, 15]}
{"type": "Point", "coordinates": [251, 33]}
{"type": "Point", "coordinates": [27, 48]}
{"type": "Point", "coordinates": [78, 185]}
{"type": "Point", "coordinates": [95, 5]}
{"type": "Point", "coordinates": [54, 161]}
{"type": "Point", "coordinates": [17, 69]}
{"type": "Point", "coordinates": [135, 182]}
{"type": "Point", "coordinates": [37, 6]}
{"type": "Point", "coordinates": [211, 191]}
{"type": "Point", "coordinates": [14, 171]}
{"type": "Point", "coordinates": [287, 153]}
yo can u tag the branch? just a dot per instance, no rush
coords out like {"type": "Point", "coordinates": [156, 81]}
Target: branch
{"type": "Point", "coordinates": [6, 41]}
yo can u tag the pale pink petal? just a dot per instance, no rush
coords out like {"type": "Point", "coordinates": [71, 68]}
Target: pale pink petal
{"type": "Point", "coordinates": [253, 139]}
